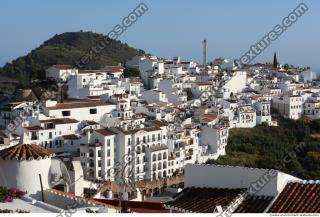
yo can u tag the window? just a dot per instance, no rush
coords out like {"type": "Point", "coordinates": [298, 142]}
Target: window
{"type": "Point", "coordinates": [108, 163]}
{"type": "Point", "coordinates": [93, 111]}
{"type": "Point", "coordinates": [91, 163]}
{"type": "Point", "coordinates": [159, 137]}
{"type": "Point", "coordinates": [154, 157]}
{"type": "Point", "coordinates": [164, 155]}
{"type": "Point", "coordinates": [138, 150]}
{"type": "Point", "coordinates": [99, 153]}
{"type": "Point", "coordinates": [66, 113]}
{"type": "Point", "coordinates": [159, 156]}
{"type": "Point", "coordinates": [108, 153]}
{"type": "Point", "coordinates": [91, 153]}
{"type": "Point", "coordinates": [164, 165]}
{"type": "Point", "coordinates": [108, 142]}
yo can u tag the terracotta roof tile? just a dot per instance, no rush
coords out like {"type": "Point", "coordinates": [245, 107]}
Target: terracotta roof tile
{"type": "Point", "coordinates": [105, 132]}
{"type": "Point", "coordinates": [254, 204]}
{"type": "Point", "coordinates": [78, 104]}
{"type": "Point", "coordinates": [60, 121]}
{"type": "Point", "coordinates": [203, 200]}
{"type": "Point", "coordinates": [34, 128]}
{"type": "Point", "coordinates": [298, 198]}
{"type": "Point", "coordinates": [71, 137]}
{"type": "Point", "coordinates": [25, 152]}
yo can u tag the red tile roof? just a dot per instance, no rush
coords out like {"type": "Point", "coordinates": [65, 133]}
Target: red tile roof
{"type": "Point", "coordinates": [71, 137]}
{"type": "Point", "coordinates": [90, 71]}
{"type": "Point", "coordinates": [298, 198]}
{"type": "Point", "coordinates": [137, 206]}
{"type": "Point", "coordinates": [105, 132]}
{"type": "Point", "coordinates": [254, 204]}
{"type": "Point", "coordinates": [89, 201]}
{"type": "Point", "coordinates": [60, 121]}
{"type": "Point", "coordinates": [209, 117]}
{"type": "Point", "coordinates": [78, 104]}
{"type": "Point", "coordinates": [115, 68]}
{"type": "Point", "coordinates": [203, 200]}
{"type": "Point", "coordinates": [34, 128]}
{"type": "Point", "coordinates": [25, 152]}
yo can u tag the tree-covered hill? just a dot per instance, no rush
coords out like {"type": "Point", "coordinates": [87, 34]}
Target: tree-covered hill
{"type": "Point", "coordinates": [277, 148]}
{"type": "Point", "coordinates": [67, 48]}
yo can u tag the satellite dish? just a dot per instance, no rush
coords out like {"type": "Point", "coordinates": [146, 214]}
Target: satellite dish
{"type": "Point", "coordinates": [59, 173]}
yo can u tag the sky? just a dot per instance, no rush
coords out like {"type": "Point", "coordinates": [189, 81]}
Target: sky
{"type": "Point", "coordinates": [168, 28]}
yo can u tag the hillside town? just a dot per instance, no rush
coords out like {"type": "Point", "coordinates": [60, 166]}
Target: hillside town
{"type": "Point", "coordinates": [105, 142]}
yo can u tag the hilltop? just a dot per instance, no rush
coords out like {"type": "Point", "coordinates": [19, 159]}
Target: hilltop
{"type": "Point", "coordinates": [67, 48]}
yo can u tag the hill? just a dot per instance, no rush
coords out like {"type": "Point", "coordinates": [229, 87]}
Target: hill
{"type": "Point", "coordinates": [67, 48]}
{"type": "Point", "coordinates": [292, 147]}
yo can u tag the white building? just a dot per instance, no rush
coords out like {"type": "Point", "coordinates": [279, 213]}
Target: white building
{"type": "Point", "coordinates": [22, 166]}
{"type": "Point", "coordinates": [289, 106]}
{"type": "Point", "coordinates": [61, 72]}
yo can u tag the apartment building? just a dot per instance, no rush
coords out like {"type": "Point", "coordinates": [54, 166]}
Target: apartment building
{"type": "Point", "coordinates": [289, 106]}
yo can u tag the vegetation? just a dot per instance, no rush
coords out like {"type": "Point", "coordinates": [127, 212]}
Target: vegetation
{"type": "Point", "coordinates": [67, 48]}
{"type": "Point", "coordinates": [269, 147]}
{"type": "Point", "coordinates": [7, 195]}
{"type": "Point", "coordinates": [131, 72]}
{"type": "Point", "coordinates": [275, 61]}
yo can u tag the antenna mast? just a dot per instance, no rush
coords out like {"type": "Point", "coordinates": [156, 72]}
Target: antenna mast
{"type": "Point", "coordinates": [204, 51]}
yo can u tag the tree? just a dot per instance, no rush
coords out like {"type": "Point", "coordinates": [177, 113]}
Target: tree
{"type": "Point", "coordinates": [275, 61]}
{"type": "Point", "coordinates": [131, 72]}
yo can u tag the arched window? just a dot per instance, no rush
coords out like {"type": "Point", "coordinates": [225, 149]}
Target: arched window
{"type": "Point", "coordinates": [164, 156]}
{"type": "Point", "coordinates": [159, 156]}
{"type": "Point", "coordinates": [164, 165]}
{"type": "Point", "coordinates": [164, 173]}
{"type": "Point", "coordinates": [154, 167]}
{"type": "Point", "coordinates": [154, 157]}
{"type": "Point", "coordinates": [159, 166]}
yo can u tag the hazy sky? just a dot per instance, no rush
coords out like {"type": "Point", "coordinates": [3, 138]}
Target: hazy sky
{"type": "Point", "coordinates": [169, 28]}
